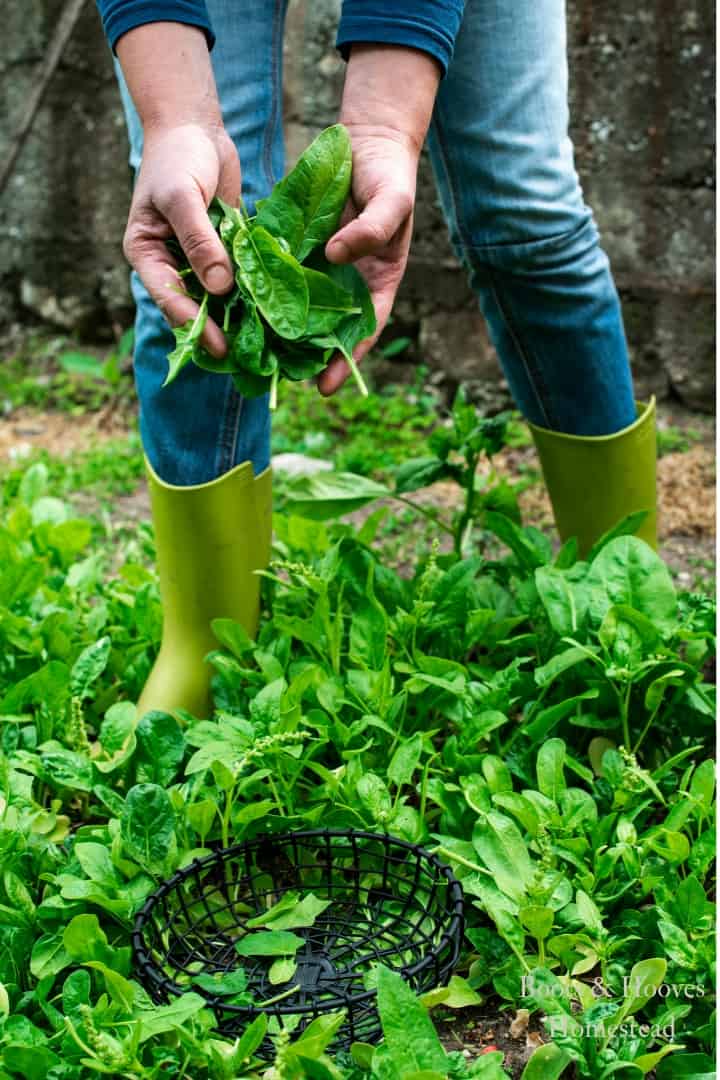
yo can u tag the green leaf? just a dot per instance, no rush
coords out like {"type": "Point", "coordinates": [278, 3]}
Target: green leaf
{"type": "Point", "coordinates": [563, 601]}
{"type": "Point", "coordinates": [559, 664]}
{"type": "Point", "coordinates": [84, 939]}
{"type": "Point", "coordinates": [329, 302]}
{"type": "Point", "coordinates": [269, 943]}
{"type": "Point", "coordinates": [328, 495]}
{"type": "Point", "coordinates": [89, 666]}
{"type": "Point", "coordinates": [97, 864]}
{"type": "Point", "coordinates": [319, 185]}
{"type": "Point", "coordinates": [627, 571]}
{"type": "Point", "coordinates": [642, 985]}
{"type": "Point", "coordinates": [282, 217]}
{"type": "Point", "coordinates": [290, 913]}
{"type": "Point", "coordinates": [246, 346]}
{"type": "Point", "coordinates": [120, 989]}
{"type": "Point", "coordinates": [160, 748]}
{"type": "Point", "coordinates": [500, 845]}
{"type": "Point", "coordinates": [419, 473]}
{"type": "Point", "coordinates": [251, 1038]}
{"type": "Point", "coordinates": [187, 338]}
{"type": "Point", "coordinates": [550, 766]}
{"type": "Point", "coordinates": [148, 826]}
{"type": "Point", "coordinates": [368, 632]}
{"type": "Point", "coordinates": [172, 1017]}
{"type": "Point", "coordinates": [317, 1036]}
{"type": "Point", "coordinates": [274, 279]}
{"type": "Point", "coordinates": [282, 970]}
{"type": "Point", "coordinates": [458, 994]}
{"type": "Point", "coordinates": [687, 1067]}
{"type": "Point", "coordinates": [537, 920]}
{"type": "Point", "coordinates": [516, 538]}
{"type": "Point", "coordinates": [223, 983]}
{"type": "Point", "coordinates": [49, 956]}
{"type": "Point", "coordinates": [374, 795]}
{"type": "Point", "coordinates": [117, 736]}
{"type": "Point", "coordinates": [547, 1063]}
{"type": "Point", "coordinates": [77, 363]}
{"type": "Point", "coordinates": [408, 1030]}
{"type": "Point", "coordinates": [405, 760]}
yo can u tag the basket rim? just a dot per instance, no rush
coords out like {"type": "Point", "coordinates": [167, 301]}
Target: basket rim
{"type": "Point", "coordinates": [148, 970]}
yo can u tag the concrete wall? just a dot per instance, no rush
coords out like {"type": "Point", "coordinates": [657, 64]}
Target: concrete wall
{"type": "Point", "coordinates": [642, 80]}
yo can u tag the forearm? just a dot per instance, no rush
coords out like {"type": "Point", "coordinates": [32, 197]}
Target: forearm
{"type": "Point", "coordinates": [168, 72]}
{"type": "Point", "coordinates": [391, 88]}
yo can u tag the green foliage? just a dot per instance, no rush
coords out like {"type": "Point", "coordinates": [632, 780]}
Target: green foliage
{"type": "Point", "coordinates": [291, 309]}
{"type": "Point", "coordinates": [544, 724]}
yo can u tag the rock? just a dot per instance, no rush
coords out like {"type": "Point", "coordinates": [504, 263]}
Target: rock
{"type": "Point", "coordinates": [300, 465]}
{"type": "Point", "coordinates": [456, 345]}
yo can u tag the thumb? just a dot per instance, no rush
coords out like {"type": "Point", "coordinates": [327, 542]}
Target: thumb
{"type": "Point", "coordinates": [374, 229]}
{"type": "Point", "coordinates": [188, 218]}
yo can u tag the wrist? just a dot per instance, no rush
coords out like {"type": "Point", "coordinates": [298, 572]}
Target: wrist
{"type": "Point", "coordinates": [168, 72]}
{"type": "Point", "coordinates": [375, 95]}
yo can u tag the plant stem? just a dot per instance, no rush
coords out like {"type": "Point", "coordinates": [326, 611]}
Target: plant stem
{"type": "Point", "coordinates": [356, 374]}
{"type": "Point", "coordinates": [273, 389]}
{"type": "Point", "coordinates": [425, 513]}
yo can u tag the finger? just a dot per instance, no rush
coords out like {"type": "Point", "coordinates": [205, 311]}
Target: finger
{"type": "Point", "coordinates": [373, 229]}
{"type": "Point", "coordinates": [338, 370]}
{"type": "Point", "coordinates": [159, 275]}
{"type": "Point", "coordinates": [186, 214]}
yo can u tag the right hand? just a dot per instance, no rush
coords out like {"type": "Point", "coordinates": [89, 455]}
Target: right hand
{"type": "Point", "coordinates": [182, 168]}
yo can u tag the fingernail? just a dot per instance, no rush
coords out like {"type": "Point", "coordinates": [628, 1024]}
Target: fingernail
{"type": "Point", "coordinates": [217, 279]}
{"type": "Point", "coordinates": [340, 251]}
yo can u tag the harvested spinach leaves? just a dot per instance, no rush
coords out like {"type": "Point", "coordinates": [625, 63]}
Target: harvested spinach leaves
{"type": "Point", "coordinates": [291, 309]}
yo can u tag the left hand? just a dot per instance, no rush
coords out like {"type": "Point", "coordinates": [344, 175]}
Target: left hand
{"type": "Point", "coordinates": [388, 100]}
{"type": "Point", "coordinates": [376, 227]}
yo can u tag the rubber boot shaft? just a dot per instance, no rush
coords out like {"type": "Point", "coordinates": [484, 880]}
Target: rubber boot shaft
{"type": "Point", "coordinates": [595, 481]}
{"type": "Point", "coordinates": [210, 539]}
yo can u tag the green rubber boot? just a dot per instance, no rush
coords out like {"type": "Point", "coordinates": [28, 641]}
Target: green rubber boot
{"type": "Point", "coordinates": [595, 481]}
{"type": "Point", "coordinates": [209, 540]}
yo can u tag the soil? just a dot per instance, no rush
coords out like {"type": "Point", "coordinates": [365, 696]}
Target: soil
{"type": "Point", "coordinates": [482, 1029]}
{"type": "Point", "coordinates": [686, 494]}
{"type": "Point", "coordinates": [686, 483]}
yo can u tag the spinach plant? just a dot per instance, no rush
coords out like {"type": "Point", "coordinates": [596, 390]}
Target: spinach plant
{"type": "Point", "coordinates": [290, 309]}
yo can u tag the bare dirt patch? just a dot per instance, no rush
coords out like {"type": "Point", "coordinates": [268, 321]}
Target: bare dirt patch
{"type": "Point", "coordinates": [61, 433]}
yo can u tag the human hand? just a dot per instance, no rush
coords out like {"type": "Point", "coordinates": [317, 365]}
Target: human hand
{"type": "Point", "coordinates": [376, 228]}
{"type": "Point", "coordinates": [188, 157]}
{"type": "Point", "coordinates": [182, 169]}
{"type": "Point", "coordinates": [387, 127]}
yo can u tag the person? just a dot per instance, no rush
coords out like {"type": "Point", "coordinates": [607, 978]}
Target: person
{"type": "Point", "coordinates": [485, 82]}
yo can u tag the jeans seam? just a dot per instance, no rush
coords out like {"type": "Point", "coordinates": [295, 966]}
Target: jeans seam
{"type": "Point", "coordinates": [276, 91]}
{"type": "Point", "coordinates": [227, 442]}
{"type": "Point", "coordinates": [532, 372]}
{"type": "Point", "coordinates": [443, 155]}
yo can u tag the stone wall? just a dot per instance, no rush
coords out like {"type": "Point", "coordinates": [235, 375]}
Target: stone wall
{"type": "Point", "coordinates": [642, 80]}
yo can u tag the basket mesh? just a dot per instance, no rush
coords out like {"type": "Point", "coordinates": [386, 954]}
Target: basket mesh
{"type": "Point", "coordinates": [391, 902]}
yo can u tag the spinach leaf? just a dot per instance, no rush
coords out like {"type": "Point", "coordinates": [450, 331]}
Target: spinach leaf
{"type": "Point", "coordinates": [187, 337]}
{"type": "Point", "coordinates": [329, 303]}
{"type": "Point", "coordinates": [318, 186]}
{"type": "Point", "coordinates": [274, 279]}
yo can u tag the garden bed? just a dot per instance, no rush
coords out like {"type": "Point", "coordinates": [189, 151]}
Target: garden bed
{"type": "Point", "coordinates": [544, 726]}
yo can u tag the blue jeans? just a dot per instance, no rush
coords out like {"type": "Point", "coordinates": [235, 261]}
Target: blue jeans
{"type": "Point", "coordinates": [503, 163]}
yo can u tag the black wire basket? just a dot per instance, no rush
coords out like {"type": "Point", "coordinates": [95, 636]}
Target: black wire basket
{"type": "Point", "coordinates": [389, 902]}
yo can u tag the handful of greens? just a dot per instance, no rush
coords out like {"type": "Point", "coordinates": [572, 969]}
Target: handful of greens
{"type": "Point", "coordinates": [290, 309]}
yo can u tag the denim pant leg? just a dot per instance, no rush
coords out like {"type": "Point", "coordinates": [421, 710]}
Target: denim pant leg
{"type": "Point", "coordinates": [504, 166]}
{"type": "Point", "coordinates": [199, 427]}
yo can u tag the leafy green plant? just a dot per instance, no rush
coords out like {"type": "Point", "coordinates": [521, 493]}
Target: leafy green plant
{"type": "Point", "coordinates": [543, 723]}
{"type": "Point", "coordinates": [291, 309]}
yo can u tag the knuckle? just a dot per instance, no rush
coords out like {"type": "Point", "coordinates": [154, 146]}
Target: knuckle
{"type": "Point", "coordinates": [195, 243]}
{"type": "Point", "coordinates": [170, 196]}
